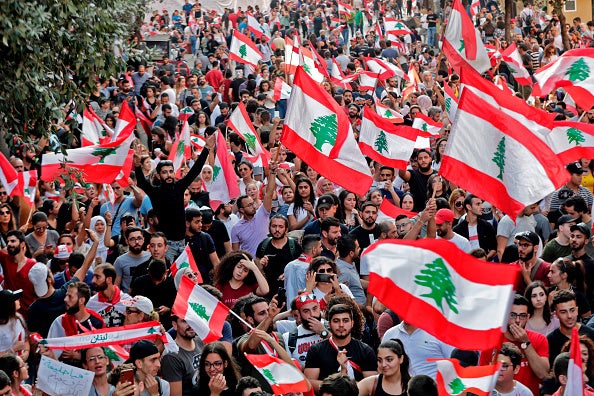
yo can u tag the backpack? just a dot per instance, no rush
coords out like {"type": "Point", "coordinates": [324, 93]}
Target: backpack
{"type": "Point", "coordinates": [266, 243]}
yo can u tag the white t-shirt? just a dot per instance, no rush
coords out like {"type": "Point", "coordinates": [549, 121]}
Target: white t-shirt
{"type": "Point", "coordinates": [299, 214]}
{"type": "Point", "coordinates": [519, 390]}
{"type": "Point", "coordinates": [460, 241]}
{"type": "Point", "coordinates": [473, 237]}
{"type": "Point", "coordinates": [9, 334]}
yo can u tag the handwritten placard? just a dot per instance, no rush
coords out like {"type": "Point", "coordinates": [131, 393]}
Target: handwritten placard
{"type": "Point", "coordinates": [57, 378]}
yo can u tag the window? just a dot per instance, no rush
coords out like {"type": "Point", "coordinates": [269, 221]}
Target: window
{"type": "Point", "coordinates": [570, 6]}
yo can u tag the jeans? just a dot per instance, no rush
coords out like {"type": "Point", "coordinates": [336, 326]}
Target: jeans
{"type": "Point", "coordinates": [431, 33]}
{"type": "Point", "coordinates": [175, 248]}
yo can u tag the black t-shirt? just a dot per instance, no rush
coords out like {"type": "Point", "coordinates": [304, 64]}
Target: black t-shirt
{"type": "Point", "coordinates": [323, 356]}
{"type": "Point", "coordinates": [432, 20]}
{"type": "Point", "coordinates": [162, 294]}
{"type": "Point", "coordinates": [43, 311]}
{"type": "Point", "coordinates": [418, 188]}
{"type": "Point", "coordinates": [363, 236]}
{"type": "Point", "coordinates": [219, 235]}
{"type": "Point", "coordinates": [589, 267]}
{"type": "Point", "coordinates": [557, 340]}
{"type": "Point", "coordinates": [235, 88]}
{"type": "Point", "coordinates": [202, 246]}
{"type": "Point", "coordinates": [277, 260]}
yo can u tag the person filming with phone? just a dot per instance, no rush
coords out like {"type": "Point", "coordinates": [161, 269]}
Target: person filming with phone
{"type": "Point", "coordinates": [322, 281]}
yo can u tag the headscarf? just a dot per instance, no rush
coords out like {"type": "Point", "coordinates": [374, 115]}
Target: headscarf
{"type": "Point", "coordinates": [101, 248]}
{"type": "Point", "coordinates": [206, 184]}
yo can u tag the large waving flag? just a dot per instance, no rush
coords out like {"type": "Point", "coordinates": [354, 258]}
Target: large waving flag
{"type": "Point", "coordinates": [240, 122]}
{"type": "Point", "coordinates": [185, 260]}
{"type": "Point", "coordinates": [494, 153]}
{"type": "Point", "coordinates": [8, 175]}
{"type": "Point", "coordinates": [426, 126]}
{"type": "Point", "coordinates": [125, 124]}
{"type": "Point", "coordinates": [574, 71]}
{"type": "Point", "coordinates": [181, 149]}
{"type": "Point", "coordinates": [257, 29]}
{"type": "Point", "coordinates": [435, 286]}
{"type": "Point", "coordinates": [367, 80]}
{"type": "Point", "coordinates": [396, 26]}
{"type": "Point", "coordinates": [243, 50]}
{"type": "Point", "coordinates": [462, 43]}
{"type": "Point", "coordinates": [384, 69]}
{"type": "Point", "coordinates": [385, 143]}
{"type": "Point", "coordinates": [575, 372]}
{"type": "Point", "coordinates": [453, 379]}
{"type": "Point", "coordinates": [513, 60]}
{"type": "Point", "coordinates": [283, 377]}
{"type": "Point", "coordinates": [203, 311]}
{"type": "Point", "coordinates": [308, 63]}
{"type": "Point", "coordinates": [94, 129]}
{"type": "Point", "coordinates": [318, 131]}
{"type": "Point", "coordinates": [224, 185]}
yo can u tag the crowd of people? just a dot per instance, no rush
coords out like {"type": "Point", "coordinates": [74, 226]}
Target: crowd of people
{"type": "Point", "coordinates": [284, 254]}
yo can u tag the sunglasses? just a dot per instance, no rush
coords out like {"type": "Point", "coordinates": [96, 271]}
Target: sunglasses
{"type": "Point", "coordinates": [459, 204]}
{"type": "Point", "coordinates": [307, 297]}
{"type": "Point", "coordinates": [325, 271]}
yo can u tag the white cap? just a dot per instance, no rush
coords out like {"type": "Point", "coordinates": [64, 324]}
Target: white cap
{"type": "Point", "coordinates": [142, 303]}
{"type": "Point", "coordinates": [38, 277]}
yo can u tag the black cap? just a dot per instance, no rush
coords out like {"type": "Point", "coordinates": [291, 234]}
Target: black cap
{"type": "Point", "coordinates": [575, 167]}
{"type": "Point", "coordinates": [127, 216]}
{"type": "Point", "coordinates": [325, 201]}
{"type": "Point", "coordinates": [583, 228]}
{"type": "Point", "coordinates": [565, 219]}
{"type": "Point", "coordinates": [529, 236]}
{"type": "Point", "coordinates": [142, 349]}
{"type": "Point", "coordinates": [10, 296]}
{"type": "Point", "coordinates": [563, 194]}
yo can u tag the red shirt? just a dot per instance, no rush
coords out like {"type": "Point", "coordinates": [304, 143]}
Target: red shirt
{"type": "Point", "coordinates": [230, 295]}
{"type": "Point", "coordinates": [14, 280]}
{"type": "Point", "coordinates": [526, 376]}
{"type": "Point", "coordinates": [214, 78]}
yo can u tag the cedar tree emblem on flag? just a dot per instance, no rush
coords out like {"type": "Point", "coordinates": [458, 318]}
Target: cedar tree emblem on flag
{"type": "Point", "coordinates": [325, 130]}
{"type": "Point", "coordinates": [200, 310]}
{"type": "Point", "coordinates": [436, 277]}
{"type": "Point", "coordinates": [578, 71]}
{"type": "Point", "coordinates": [457, 386]}
{"type": "Point", "coordinates": [575, 135]}
{"type": "Point", "coordinates": [499, 157]}
{"type": "Point", "coordinates": [104, 152]}
{"type": "Point", "coordinates": [381, 143]}
{"type": "Point", "coordinates": [242, 51]}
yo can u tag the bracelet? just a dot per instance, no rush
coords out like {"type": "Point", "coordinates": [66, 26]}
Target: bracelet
{"type": "Point", "coordinates": [109, 225]}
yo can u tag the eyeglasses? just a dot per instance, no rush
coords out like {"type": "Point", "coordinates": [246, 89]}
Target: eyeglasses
{"type": "Point", "coordinates": [522, 316]}
{"type": "Point", "coordinates": [505, 366]}
{"type": "Point", "coordinates": [325, 271]}
{"type": "Point", "coordinates": [307, 297]}
{"type": "Point", "coordinates": [40, 228]}
{"type": "Point", "coordinates": [130, 311]}
{"type": "Point", "coordinates": [403, 225]}
{"type": "Point", "coordinates": [218, 364]}
{"type": "Point", "coordinates": [93, 359]}
{"type": "Point", "coordinates": [2, 212]}
{"type": "Point", "coordinates": [459, 204]}
{"type": "Point", "coordinates": [136, 239]}
{"type": "Point", "coordinates": [25, 365]}
{"type": "Point", "coordinates": [3, 193]}
{"type": "Point", "coordinates": [525, 245]}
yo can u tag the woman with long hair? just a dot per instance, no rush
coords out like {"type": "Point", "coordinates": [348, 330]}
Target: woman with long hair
{"type": "Point", "coordinates": [245, 169]}
{"type": "Point", "coordinates": [456, 202]}
{"type": "Point", "coordinates": [17, 370]}
{"type": "Point", "coordinates": [95, 360]}
{"type": "Point", "coordinates": [565, 274]}
{"type": "Point", "coordinates": [440, 146]}
{"type": "Point", "coordinates": [201, 122]}
{"type": "Point", "coordinates": [13, 331]}
{"type": "Point", "coordinates": [348, 205]}
{"type": "Point", "coordinates": [301, 211]}
{"type": "Point", "coordinates": [310, 172]}
{"type": "Point", "coordinates": [7, 222]}
{"type": "Point", "coordinates": [438, 186]}
{"type": "Point", "coordinates": [541, 320]}
{"type": "Point", "coordinates": [392, 366]}
{"type": "Point", "coordinates": [238, 275]}
{"type": "Point", "coordinates": [217, 372]}
{"type": "Point", "coordinates": [587, 350]}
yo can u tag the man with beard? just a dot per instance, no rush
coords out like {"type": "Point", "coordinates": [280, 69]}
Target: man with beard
{"type": "Point", "coordinates": [417, 179]}
{"type": "Point", "coordinates": [50, 303]}
{"type": "Point", "coordinates": [348, 251]}
{"type": "Point", "coordinates": [217, 231]}
{"type": "Point", "coordinates": [201, 244]}
{"type": "Point", "coordinates": [444, 218]}
{"type": "Point", "coordinates": [580, 235]}
{"type": "Point", "coordinates": [311, 330]}
{"type": "Point", "coordinates": [224, 213]}
{"type": "Point", "coordinates": [197, 194]}
{"type": "Point", "coordinates": [326, 206]}
{"type": "Point", "coordinates": [368, 231]}
{"type": "Point", "coordinates": [259, 314]}
{"type": "Point", "coordinates": [180, 368]}
{"type": "Point", "coordinates": [480, 233]}
{"type": "Point", "coordinates": [16, 267]}
{"type": "Point", "coordinates": [168, 197]}
{"type": "Point", "coordinates": [107, 300]}
{"type": "Point", "coordinates": [157, 247]}
{"type": "Point", "coordinates": [295, 272]}
{"type": "Point", "coordinates": [276, 251]}
{"type": "Point", "coordinates": [123, 206]}
{"type": "Point", "coordinates": [126, 264]}
{"type": "Point", "coordinates": [330, 235]}
{"type": "Point", "coordinates": [77, 319]}
{"type": "Point", "coordinates": [560, 246]}
{"type": "Point", "coordinates": [340, 353]}
{"type": "Point", "coordinates": [532, 268]}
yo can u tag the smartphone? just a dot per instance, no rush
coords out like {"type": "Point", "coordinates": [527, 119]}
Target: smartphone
{"type": "Point", "coordinates": [281, 295]}
{"type": "Point", "coordinates": [127, 376]}
{"type": "Point", "coordinates": [323, 277]}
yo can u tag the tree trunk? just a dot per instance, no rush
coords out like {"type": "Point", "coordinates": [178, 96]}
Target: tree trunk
{"type": "Point", "coordinates": [508, 14]}
{"type": "Point", "coordinates": [558, 8]}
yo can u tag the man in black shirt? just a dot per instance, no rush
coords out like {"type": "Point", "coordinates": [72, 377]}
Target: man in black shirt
{"type": "Point", "coordinates": [417, 179]}
{"type": "Point", "coordinates": [368, 232]}
{"type": "Point", "coordinates": [217, 231]}
{"type": "Point", "coordinates": [201, 244]}
{"type": "Point", "coordinates": [353, 357]}
{"type": "Point", "coordinates": [579, 237]}
{"type": "Point", "coordinates": [158, 287]}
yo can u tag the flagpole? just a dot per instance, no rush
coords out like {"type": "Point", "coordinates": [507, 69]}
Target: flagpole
{"type": "Point", "coordinates": [241, 319]}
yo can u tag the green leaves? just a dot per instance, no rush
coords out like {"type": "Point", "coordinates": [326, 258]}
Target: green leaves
{"type": "Point", "coordinates": [436, 277]}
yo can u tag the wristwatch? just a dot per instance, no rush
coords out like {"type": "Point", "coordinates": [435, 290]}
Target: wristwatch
{"type": "Point", "coordinates": [324, 334]}
{"type": "Point", "coordinates": [524, 345]}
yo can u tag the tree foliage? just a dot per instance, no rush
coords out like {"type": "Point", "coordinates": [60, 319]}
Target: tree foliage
{"type": "Point", "coordinates": [52, 51]}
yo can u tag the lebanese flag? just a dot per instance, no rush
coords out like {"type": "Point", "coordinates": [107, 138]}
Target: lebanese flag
{"type": "Point", "coordinates": [396, 26]}
{"type": "Point", "coordinates": [240, 122]}
{"type": "Point", "coordinates": [185, 113]}
{"type": "Point", "coordinates": [500, 82]}
{"type": "Point", "coordinates": [388, 209]}
{"type": "Point", "coordinates": [413, 82]}
{"type": "Point", "coordinates": [453, 379]}
{"type": "Point", "coordinates": [319, 132]}
{"type": "Point", "coordinates": [282, 90]}
{"type": "Point", "coordinates": [292, 57]}
{"type": "Point", "coordinates": [203, 311]}
{"type": "Point", "coordinates": [493, 53]}
{"type": "Point", "coordinates": [243, 50]}
{"type": "Point", "coordinates": [513, 60]}
{"type": "Point", "coordinates": [497, 154]}
{"type": "Point", "coordinates": [385, 143]}
{"type": "Point", "coordinates": [344, 9]}
{"type": "Point", "coordinates": [283, 377]}
{"type": "Point", "coordinates": [462, 43]}
{"type": "Point", "coordinates": [475, 7]}
{"type": "Point", "coordinates": [451, 101]}
{"type": "Point", "coordinates": [8, 175]}
{"type": "Point", "coordinates": [27, 186]}
{"type": "Point", "coordinates": [107, 337]}
{"type": "Point", "coordinates": [378, 34]}
{"type": "Point", "coordinates": [185, 260]}
{"type": "Point", "coordinates": [181, 149]}
{"type": "Point", "coordinates": [338, 78]}
{"type": "Point", "coordinates": [388, 113]}
{"type": "Point", "coordinates": [99, 163]}
{"type": "Point", "coordinates": [574, 71]}
{"type": "Point", "coordinates": [144, 120]}
{"type": "Point", "coordinates": [257, 29]}
{"type": "Point", "coordinates": [433, 285]}
{"type": "Point", "coordinates": [125, 124]}
{"type": "Point", "coordinates": [224, 185]}
{"type": "Point", "coordinates": [367, 80]}
{"type": "Point", "coordinates": [307, 61]}
{"type": "Point", "coordinates": [384, 69]}
{"type": "Point", "coordinates": [198, 142]}
{"type": "Point", "coordinates": [94, 129]}
{"type": "Point", "coordinates": [427, 126]}
{"type": "Point", "coordinates": [109, 194]}
{"type": "Point", "coordinates": [575, 373]}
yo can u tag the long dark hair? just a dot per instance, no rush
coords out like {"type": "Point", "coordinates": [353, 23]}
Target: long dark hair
{"type": "Point", "coordinates": [230, 372]}
{"type": "Point", "coordinates": [396, 346]}
{"type": "Point", "coordinates": [298, 202]}
{"type": "Point", "coordinates": [546, 310]}
{"type": "Point", "coordinates": [574, 270]}
{"type": "Point", "coordinates": [224, 271]}
{"type": "Point", "coordinates": [341, 198]}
